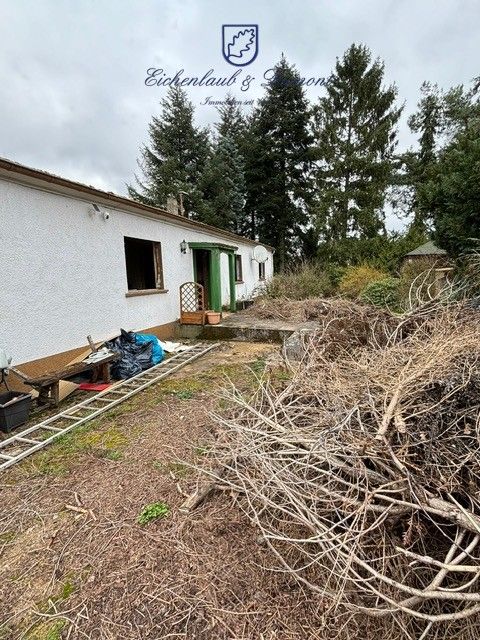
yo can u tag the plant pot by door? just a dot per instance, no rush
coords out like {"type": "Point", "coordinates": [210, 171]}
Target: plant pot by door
{"type": "Point", "coordinates": [213, 317]}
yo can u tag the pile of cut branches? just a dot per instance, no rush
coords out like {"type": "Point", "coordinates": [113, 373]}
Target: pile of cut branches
{"type": "Point", "coordinates": [362, 474]}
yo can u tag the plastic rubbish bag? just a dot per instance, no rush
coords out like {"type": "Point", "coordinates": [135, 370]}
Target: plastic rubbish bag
{"type": "Point", "coordinates": [138, 351]}
{"type": "Point", "coordinates": [157, 351]}
{"type": "Point", "coordinates": [129, 363]}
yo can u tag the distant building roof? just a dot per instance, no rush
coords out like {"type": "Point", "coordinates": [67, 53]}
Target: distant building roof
{"type": "Point", "coordinates": [427, 249]}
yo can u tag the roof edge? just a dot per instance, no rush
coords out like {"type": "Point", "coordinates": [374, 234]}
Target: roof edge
{"type": "Point", "coordinates": [428, 248]}
{"type": "Point", "coordinates": [17, 171]}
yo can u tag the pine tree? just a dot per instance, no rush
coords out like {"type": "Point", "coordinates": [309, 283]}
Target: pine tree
{"type": "Point", "coordinates": [355, 128]}
{"type": "Point", "coordinates": [223, 186]}
{"type": "Point", "coordinates": [175, 159]}
{"type": "Point", "coordinates": [278, 164]}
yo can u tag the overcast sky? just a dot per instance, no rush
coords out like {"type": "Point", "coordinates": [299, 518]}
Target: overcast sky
{"type": "Point", "coordinates": [72, 72]}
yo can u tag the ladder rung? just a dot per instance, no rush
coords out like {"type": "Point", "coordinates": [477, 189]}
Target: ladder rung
{"type": "Point", "coordinates": [92, 407]}
{"type": "Point", "coordinates": [29, 440]}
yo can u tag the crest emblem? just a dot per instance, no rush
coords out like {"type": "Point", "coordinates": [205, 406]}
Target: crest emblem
{"type": "Point", "coordinates": [240, 43]}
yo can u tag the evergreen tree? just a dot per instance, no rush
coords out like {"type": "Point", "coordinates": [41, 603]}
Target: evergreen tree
{"type": "Point", "coordinates": [278, 164]}
{"type": "Point", "coordinates": [223, 186]}
{"type": "Point", "coordinates": [232, 122]}
{"type": "Point", "coordinates": [175, 159]}
{"type": "Point", "coordinates": [441, 119]}
{"type": "Point", "coordinates": [355, 128]}
{"type": "Point", "coordinates": [415, 167]}
{"type": "Point", "coordinates": [451, 195]}
{"type": "Point", "coordinates": [223, 180]}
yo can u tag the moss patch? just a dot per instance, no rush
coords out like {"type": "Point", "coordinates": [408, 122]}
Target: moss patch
{"type": "Point", "coordinates": [107, 437]}
{"type": "Point", "coordinates": [47, 631]}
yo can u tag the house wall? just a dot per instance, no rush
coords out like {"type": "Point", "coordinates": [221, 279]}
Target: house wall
{"type": "Point", "coordinates": [64, 276]}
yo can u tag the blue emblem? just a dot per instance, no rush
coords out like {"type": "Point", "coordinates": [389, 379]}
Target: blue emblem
{"type": "Point", "coordinates": [240, 43]}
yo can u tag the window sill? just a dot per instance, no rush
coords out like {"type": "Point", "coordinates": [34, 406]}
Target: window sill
{"type": "Point", "coordinates": [239, 281]}
{"type": "Point", "coordinates": [144, 292]}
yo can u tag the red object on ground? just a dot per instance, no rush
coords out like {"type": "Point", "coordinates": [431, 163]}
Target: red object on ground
{"type": "Point", "coordinates": [94, 386]}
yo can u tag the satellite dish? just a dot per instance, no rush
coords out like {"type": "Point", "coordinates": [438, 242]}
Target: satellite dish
{"type": "Point", "coordinates": [260, 254]}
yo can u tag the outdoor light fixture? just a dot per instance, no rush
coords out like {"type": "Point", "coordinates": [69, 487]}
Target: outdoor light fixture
{"type": "Point", "coordinates": [95, 209]}
{"type": "Point", "coordinates": [183, 246]}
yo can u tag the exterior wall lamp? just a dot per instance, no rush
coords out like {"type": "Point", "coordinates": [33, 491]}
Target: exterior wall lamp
{"type": "Point", "coordinates": [183, 246]}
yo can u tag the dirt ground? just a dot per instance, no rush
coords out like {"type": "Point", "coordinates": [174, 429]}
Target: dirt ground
{"type": "Point", "coordinates": [75, 561]}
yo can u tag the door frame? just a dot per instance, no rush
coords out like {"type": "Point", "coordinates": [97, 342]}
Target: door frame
{"type": "Point", "coordinates": [215, 249]}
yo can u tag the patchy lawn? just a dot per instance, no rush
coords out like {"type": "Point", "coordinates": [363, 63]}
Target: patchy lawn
{"type": "Point", "coordinates": [93, 545]}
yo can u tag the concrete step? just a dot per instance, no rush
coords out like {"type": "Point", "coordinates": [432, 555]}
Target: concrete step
{"type": "Point", "coordinates": [245, 333]}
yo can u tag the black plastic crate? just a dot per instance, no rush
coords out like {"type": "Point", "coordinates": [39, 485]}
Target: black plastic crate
{"type": "Point", "coordinates": [16, 411]}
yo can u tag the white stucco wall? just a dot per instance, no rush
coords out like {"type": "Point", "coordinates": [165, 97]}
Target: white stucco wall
{"type": "Point", "coordinates": [64, 277]}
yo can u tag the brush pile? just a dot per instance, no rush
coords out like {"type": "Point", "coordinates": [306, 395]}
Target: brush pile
{"type": "Point", "coordinates": [362, 473]}
{"type": "Point", "coordinates": [322, 309]}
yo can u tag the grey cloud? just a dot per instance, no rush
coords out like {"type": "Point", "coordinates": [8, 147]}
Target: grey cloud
{"type": "Point", "coordinates": [71, 73]}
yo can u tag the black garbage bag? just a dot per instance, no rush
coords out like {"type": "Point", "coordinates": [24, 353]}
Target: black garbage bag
{"type": "Point", "coordinates": [134, 358]}
{"type": "Point", "coordinates": [143, 355]}
{"type": "Point", "coordinates": [126, 367]}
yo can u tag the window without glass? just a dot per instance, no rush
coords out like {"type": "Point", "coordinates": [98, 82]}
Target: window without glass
{"type": "Point", "coordinates": [261, 271]}
{"type": "Point", "coordinates": [238, 269]}
{"type": "Point", "coordinates": [143, 259]}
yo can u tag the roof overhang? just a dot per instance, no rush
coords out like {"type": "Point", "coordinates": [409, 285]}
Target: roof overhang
{"type": "Point", "coordinates": [44, 181]}
{"type": "Point", "coordinates": [213, 245]}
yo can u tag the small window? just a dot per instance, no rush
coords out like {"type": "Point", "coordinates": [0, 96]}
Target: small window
{"type": "Point", "coordinates": [238, 269]}
{"type": "Point", "coordinates": [261, 271]}
{"type": "Point", "coordinates": [143, 259]}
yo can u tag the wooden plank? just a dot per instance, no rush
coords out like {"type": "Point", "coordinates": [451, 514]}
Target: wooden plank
{"type": "Point", "coordinates": [68, 371]}
{"type": "Point", "coordinates": [157, 256]}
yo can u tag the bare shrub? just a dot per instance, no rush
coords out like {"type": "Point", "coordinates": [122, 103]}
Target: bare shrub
{"type": "Point", "coordinates": [301, 282]}
{"type": "Point", "coordinates": [362, 473]}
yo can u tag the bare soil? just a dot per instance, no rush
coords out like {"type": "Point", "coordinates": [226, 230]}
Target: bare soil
{"type": "Point", "coordinates": [75, 563]}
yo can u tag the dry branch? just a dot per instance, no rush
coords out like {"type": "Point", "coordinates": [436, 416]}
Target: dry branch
{"type": "Point", "coordinates": [362, 473]}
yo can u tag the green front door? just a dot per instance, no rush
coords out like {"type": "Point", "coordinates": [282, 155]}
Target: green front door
{"type": "Point", "coordinates": [208, 272]}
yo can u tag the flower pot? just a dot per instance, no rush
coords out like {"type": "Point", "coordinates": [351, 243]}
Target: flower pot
{"type": "Point", "coordinates": [213, 317]}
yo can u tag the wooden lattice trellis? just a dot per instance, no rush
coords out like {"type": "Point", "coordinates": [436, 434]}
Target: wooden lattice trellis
{"type": "Point", "coordinates": [192, 303]}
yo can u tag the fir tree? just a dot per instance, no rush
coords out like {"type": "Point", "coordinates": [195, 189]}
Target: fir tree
{"type": "Point", "coordinates": [439, 119]}
{"type": "Point", "coordinates": [278, 164]}
{"type": "Point", "coordinates": [223, 186]}
{"type": "Point", "coordinates": [452, 191]}
{"type": "Point", "coordinates": [355, 127]}
{"type": "Point", "coordinates": [416, 166]}
{"type": "Point", "coordinates": [232, 122]}
{"type": "Point", "coordinates": [175, 159]}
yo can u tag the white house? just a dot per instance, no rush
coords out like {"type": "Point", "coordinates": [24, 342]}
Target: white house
{"type": "Point", "coordinates": [77, 261]}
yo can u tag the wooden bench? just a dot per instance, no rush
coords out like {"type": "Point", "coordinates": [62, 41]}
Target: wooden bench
{"type": "Point", "coordinates": [47, 385]}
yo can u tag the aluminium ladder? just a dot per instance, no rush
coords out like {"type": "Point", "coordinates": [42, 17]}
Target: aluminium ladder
{"type": "Point", "coordinates": [22, 444]}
